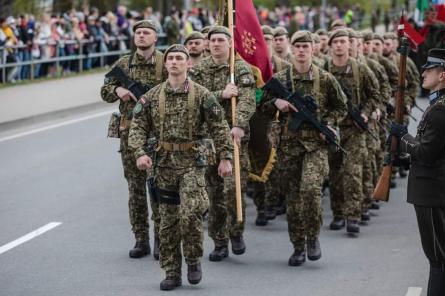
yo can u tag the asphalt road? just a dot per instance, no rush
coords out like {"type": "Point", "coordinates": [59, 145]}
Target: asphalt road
{"type": "Point", "coordinates": [72, 174]}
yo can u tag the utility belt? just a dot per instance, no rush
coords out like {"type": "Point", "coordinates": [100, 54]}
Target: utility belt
{"type": "Point", "coordinates": [205, 149]}
{"type": "Point", "coordinates": [302, 133]}
{"type": "Point", "coordinates": [166, 146]}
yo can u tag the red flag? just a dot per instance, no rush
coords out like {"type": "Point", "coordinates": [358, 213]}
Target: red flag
{"type": "Point", "coordinates": [440, 12]}
{"type": "Point", "coordinates": [249, 40]}
{"type": "Point", "coordinates": [414, 37]}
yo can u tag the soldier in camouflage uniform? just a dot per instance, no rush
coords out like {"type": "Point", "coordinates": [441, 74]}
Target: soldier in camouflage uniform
{"type": "Point", "coordinates": [175, 113]}
{"type": "Point", "coordinates": [213, 72]}
{"type": "Point", "coordinates": [346, 171]}
{"type": "Point", "coordinates": [304, 153]}
{"type": "Point", "coordinates": [281, 44]}
{"type": "Point", "coordinates": [205, 31]}
{"type": "Point", "coordinates": [323, 35]}
{"type": "Point", "coordinates": [144, 66]}
{"type": "Point", "coordinates": [194, 42]}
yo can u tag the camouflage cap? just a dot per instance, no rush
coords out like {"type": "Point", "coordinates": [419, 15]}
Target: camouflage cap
{"type": "Point", "coordinates": [144, 24]}
{"type": "Point", "coordinates": [193, 35]}
{"type": "Point", "coordinates": [367, 35]}
{"type": "Point", "coordinates": [390, 36]}
{"type": "Point", "coordinates": [205, 30]}
{"type": "Point", "coordinates": [301, 36]}
{"type": "Point", "coordinates": [218, 30]}
{"type": "Point", "coordinates": [176, 48]}
{"type": "Point", "coordinates": [337, 33]}
{"type": "Point", "coordinates": [267, 30]}
{"type": "Point", "coordinates": [377, 37]}
{"type": "Point", "coordinates": [279, 31]}
{"type": "Point", "coordinates": [321, 32]}
{"type": "Point", "coordinates": [337, 24]}
{"type": "Point", "coordinates": [316, 38]}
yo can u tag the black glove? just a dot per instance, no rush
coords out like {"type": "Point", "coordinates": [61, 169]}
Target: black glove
{"type": "Point", "coordinates": [398, 130]}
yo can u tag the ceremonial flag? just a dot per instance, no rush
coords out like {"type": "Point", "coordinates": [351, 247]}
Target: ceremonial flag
{"type": "Point", "coordinates": [406, 29]}
{"type": "Point", "coordinates": [441, 11]}
{"type": "Point", "coordinates": [249, 41]}
{"type": "Point", "coordinates": [421, 6]}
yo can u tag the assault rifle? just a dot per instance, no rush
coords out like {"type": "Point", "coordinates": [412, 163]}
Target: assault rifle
{"type": "Point", "coordinates": [151, 152]}
{"type": "Point", "coordinates": [137, 88]}
{"type": "Point", "coordinates": [307, 111]}
{"type": "Point", "coordinates": [391, 109]}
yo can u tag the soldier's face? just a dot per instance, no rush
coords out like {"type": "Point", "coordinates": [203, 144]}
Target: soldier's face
{"type": "Point", "coordinates": [367, 47]}
{"type": "Point", "coordinates": [281, 43]}
{"type": "Point", "coordinates": [316, 49]}
{"type": "Point", "coordinates": [219, 44]}
{"type": "Point", "coordinates": [388, 46]}
{"type": "Point", "coordinates": [302, 51]}
{"type": "Point", "coordinates": [145, 38]}
{"type": "Point", "coordinates": [353, 47]}
{"type": "Point", "coordinates": [433, 78]}
{"type": "Point", "coordinates": [323, 43]}
{"type": "Point", "coordinates": [269, 41]}
{"type": "Point", "coordinates": [359, 45]}
{"type": "Point", "coordinates": [377, 47]}
{"type": "Point", "coordinates": [195, 47]}
{"type": "Point", "coordinates": [340, 45]}
{"type": "Point", "coordinates": [176, 63]}
{"type": "Point", "coordinates": [206, 41]}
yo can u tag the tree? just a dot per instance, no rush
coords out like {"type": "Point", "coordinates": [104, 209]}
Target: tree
{"type": "Point", "coordinates": [6, 6]}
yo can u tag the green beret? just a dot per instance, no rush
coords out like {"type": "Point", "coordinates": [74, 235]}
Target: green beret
{"type": "Point", "coordinates": [321, 32]}
{"type": "Point", "coordinates": [144, 24]}
{"type": "Point", "coordinates": [193, 35]}
{"type": "Point", "coordinates": [301, 36]}
{"type": "Point", "coordinates": [316, 38]}
{"type": "Point", "coordinates": [279, 31]}
{"type": "Point", "coordinates": [390, 35]}
{"type": "Point", "coordinates": [205, 30]}
{"type": "Point", "coordinates": [176, 48]}
{"type": "Point", "coordinates": [218, 30]}
{"type": "Point", "coordinates": [367, 35]}
{"type": "Point", "coordinates": [337, 33]}
{"type": "Point", "coordinates": [338, 24]}
{"type": "Point", "coordinates": [267, 30]}
{"type": "Point", "coordinates": [378, 37]}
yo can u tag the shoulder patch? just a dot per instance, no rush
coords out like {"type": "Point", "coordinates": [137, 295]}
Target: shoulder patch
{"type": "Point", "coordinates": [137, 109]}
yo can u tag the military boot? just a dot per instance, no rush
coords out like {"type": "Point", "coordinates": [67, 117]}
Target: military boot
{"type": "Point", "coordinates": [270, 213]}
{"type": "Point", "coordinates": [261, 219]}
{"type": "Point", "coordinates": [238, 245]}
{"type": "Point", "coordinates": [337, 223]}
{"type": "Point", "coordinates": [140, 249]}
{"type": "Point", "coordinates": [280, 208]}
{"type": "Point", "coordinates": [375, 205]}
{"type": "Point", "coordinates": [313, 250]}
{"type": "Point", "coordinates": [365, 216]}
{"type": "Point", "coordinates": [194, 273]}
{"type": "Point", "coordinates": [219, 253]}
{"type": "Point", "coordinates": [402, 173]}
{"type": "Point", "coordinates": [156, 248]}
{"type": "Point", "coordinates": [170, 283]}
{"type": "Point", "coordinates": [352, 226]}
{"type": "Point", "coordinates": [297, 258]}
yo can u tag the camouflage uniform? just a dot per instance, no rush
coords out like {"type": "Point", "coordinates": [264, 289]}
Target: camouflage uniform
{"type": "Point", "coordinates": [222, 215]}
{"type": "Point", "coordinates": [346, 171]}
{"type": "Point", "coordinates": [180, 171]}
{"type": "Point", "coordinates": [303, 154]}
{"type": "Point", "coordinates": [143, 71]}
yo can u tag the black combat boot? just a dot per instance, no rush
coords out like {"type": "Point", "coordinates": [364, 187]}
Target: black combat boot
{"type": "Point", "coordinates": [156, 248]}
{"type": "Point", "coordinates": [313, 250]}
{"type": "Point", "coordinates": [337, 223]}
{"type": "Point", "coordinates": [297, 258]}
{"type": "Point", "coordinates": [219, 253]}
{"type": "Point", "coordinates": [261, 219]}
{"type": "Point", "coordinates": [280, 208]}
{"type": "Point", "coordinates": [238, 245]}
{"type": "Point", "coordinates": [375, 205]}
{"type": "Point", "coordinates": [352, 226]}
{"type": "Point", "coordinates": [170, 283]}
{"type": "Point", "coordinates": [402, 173]}
{"type": "Point", "coordinates": [194, 273]}
{"type": "Point", "coordinates": [393, 183]}
{"type": "Point", "coordinates": [140, 249]}
{"type": "Point", "coordinates": [365, 216]}
{"type": "Point", "coordinates": [270, 213]}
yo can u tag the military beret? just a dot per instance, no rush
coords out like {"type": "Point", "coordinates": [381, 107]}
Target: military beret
{"type": "Point", "coordinates": [390, 35]}
{"type": "Point", "coordinates": [338, 24]}
{"type": "Point", "coordinates": [279, 31]}
{"type": "Point", "coordinates": [193, 35]}
{"type": "Point", "coordinates": [321, 32]}
{"type": "Point", "coordinates": [316, 38]}
{"type": "Point", "coordinates": [176, 48]}
{"type": "Point", "coordinates": [267, 30]}
{"type": "Point", "coordinates": [301, 36]}
{"type": "Point", "coordinates": [337, 33]}
{"type": "Point", "coordinates": [377, 37]}
{"type": "Point", "coordinates": [205, 29]}
{"type": "Point", "coordinates": [367, 35]}
{"type": "Point", "coordinates": [436, 58]}
{"type": "Point", "coordinates": [218, 30]}
{"type": "Point", "coordinates": [144, 24]}
{"type": "Point", "coordinates": [352, 33]}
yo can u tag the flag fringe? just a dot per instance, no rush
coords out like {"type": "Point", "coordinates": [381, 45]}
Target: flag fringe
{"type": "Point", "coordinates": [267, 168]}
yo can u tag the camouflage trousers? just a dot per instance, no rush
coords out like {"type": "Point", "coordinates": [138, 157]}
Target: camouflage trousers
{"type": "Point", "coordinates": [370, 171]}
{"type": "Point", "coordinates": [137, 199]}
{"type": "Point", "coordinates": [181, 223]}
{"type": "Point", "coordinates": [346, 174]}
{"type": "Point", "coordinates": [222, 212]}
{"type": "Point", "coordinates": [303, 175]}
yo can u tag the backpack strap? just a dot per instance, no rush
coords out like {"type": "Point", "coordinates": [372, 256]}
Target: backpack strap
{"type": "Point", "coordinates": [191, 107]}
{"type": "Point", "coordinates": [356, 75]}
{"type": "Point", "coordinates": [159, 65]}
{"type": "Point", "coordinates": [316, 73]}
{"type": "Point", "coordinates": [162, 111]}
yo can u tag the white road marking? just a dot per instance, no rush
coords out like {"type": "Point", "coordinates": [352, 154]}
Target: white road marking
{"type": "Point", "coordinates": [414, 291]}
{"type": "Point", "coordinates": [29, 236]}
{"type": "Point", "coordinates": [45, 128]}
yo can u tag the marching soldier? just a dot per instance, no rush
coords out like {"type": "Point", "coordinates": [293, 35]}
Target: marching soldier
{"type": "Point", "coordinates": [303, 152]}
{"type": "Point", "coordinates": [323, 35]}
{"type": "Point", "coordinates": [213, 72]}
{"type": "Point", "coordinates": [281, 44]}
{"type": "Point", "coordinates": [195, 44]}
{"type": "Point", "coordinates": [175, 112]}
{"type": "Point", "coordinates": [145, 66]}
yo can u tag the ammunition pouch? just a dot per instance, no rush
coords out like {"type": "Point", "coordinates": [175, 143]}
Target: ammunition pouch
{"type": "Point", "coordinates": [114, 125]}
{"type": "Point", "coordinates": [168, 197]}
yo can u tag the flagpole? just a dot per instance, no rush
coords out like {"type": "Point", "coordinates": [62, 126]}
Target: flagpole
{"type": "Point", "coordinates": [236, 156]}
